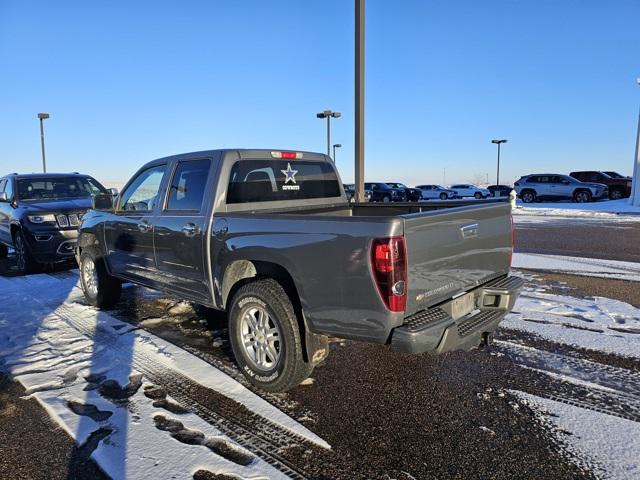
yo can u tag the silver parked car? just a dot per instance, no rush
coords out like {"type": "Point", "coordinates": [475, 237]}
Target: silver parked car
{"type": "Point", "coordinates": [433, 192]}
{"type": "Point", "coordinates": [551, 186]}
{"type": "Point", "coordinates": [470, 190]}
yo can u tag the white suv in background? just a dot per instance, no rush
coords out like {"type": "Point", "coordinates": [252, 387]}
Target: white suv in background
{"type": "Point", "coordinates": [550, 186]}
{"type": "Point", "coordinates": [470, 190]}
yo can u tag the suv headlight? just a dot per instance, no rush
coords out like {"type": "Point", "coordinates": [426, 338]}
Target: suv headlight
{"type": "Point", "coordinates": [48, 218]}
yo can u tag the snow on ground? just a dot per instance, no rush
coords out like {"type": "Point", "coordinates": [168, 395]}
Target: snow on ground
{"type": "Point", "coordinates": [600, 209]}
{"type": "Point", "coordinates": [91, 372]}
{"type": "Point", "coordinates": [578, 266]}
{"type": "Point", "coordinates": [608, 444]}
{"type": "Point", "coordinates": [594, 323]}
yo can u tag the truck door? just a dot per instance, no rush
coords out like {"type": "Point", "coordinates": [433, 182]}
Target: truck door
{"type": "Point", "coordinates": [181, 229]}
{"type": "Point", "coordinates": [129, 231]}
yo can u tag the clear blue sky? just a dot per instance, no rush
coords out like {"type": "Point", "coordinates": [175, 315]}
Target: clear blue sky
{"type": "Point", "coordinates": [126, 82]}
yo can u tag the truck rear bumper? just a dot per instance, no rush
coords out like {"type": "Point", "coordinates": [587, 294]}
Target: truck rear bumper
{"type": "Point", "coordinates": [435, 331]}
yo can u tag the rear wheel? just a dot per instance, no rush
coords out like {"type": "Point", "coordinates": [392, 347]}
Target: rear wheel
{"type": "Point", "coordinates": [615, 194]}
{"type": "Point", "coordinates": [386, 199]}
{"type": "Point", "coordinates": [100, 289]}
{"type": "Point", "coordinates": [265, 337]}
{"type": "Point", "coordinates": [24, 259]}
{"type": "Point", "coordinates": [582, 196]}
{"type": "Point", "coordinates": [528, 196]}
{"type": "Point", "coordinates": [443, 196]}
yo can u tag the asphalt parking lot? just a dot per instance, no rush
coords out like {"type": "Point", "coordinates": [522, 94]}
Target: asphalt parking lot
{"type": "Point", "coordinates": [388, 415]}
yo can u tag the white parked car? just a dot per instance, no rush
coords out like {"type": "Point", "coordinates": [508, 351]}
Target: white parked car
{"type": "Point", "coordinates": [470, 190]}
{"type": "Point", "coordinates": [432, 192]}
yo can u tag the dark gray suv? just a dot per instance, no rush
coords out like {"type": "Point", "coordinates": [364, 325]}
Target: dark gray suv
{"type": "Point", "coordinates": [551, 186]}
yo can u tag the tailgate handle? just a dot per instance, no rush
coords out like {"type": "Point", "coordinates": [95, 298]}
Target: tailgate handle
{"type": "Point", "coordinates": [469, 231]}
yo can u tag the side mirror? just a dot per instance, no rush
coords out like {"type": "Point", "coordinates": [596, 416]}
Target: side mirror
{"type": "Point", "coordinates": [4, 197]}
{"type": "Point", "coordinates": [102, 202]}
{"type": "Point", "coordinates": [114, 191]}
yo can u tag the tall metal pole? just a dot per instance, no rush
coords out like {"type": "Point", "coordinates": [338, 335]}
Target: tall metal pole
{"type": "Point", "coordinates": [44, 162]}
{"type": "Point", "coordinates": [359, 102]}
{"type": "Point", "coordinates": [634, 198]}
{"type": "Point", "coordinates": [328, 135]}
{"type": "Point", "coordinates": [498, 172]}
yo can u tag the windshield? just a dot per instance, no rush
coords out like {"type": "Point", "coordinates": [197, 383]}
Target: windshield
{"type": "Point", "coordinates": [614, 174]}
{"type": "Point", "coordinates": [57, 188]}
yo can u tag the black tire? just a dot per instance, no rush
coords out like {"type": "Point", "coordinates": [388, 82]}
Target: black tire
{"type": "Point", "coordinates": [386, 199]}
{"type": "Point", "coordinates": [582, 196]}
{"type": "Point", "coordinates": [477, 195]}
{"type": "Point", "coordinates": [289, 369]}
{"type": "Point", "coordinates": [24, 259]}
{"type": "Point", "coordinates": [107, 289]}
{"type": "Point", "coordinates": [4, 251]}
{"type": "Point", "coordinates": [443, 196]}
{"type": "Point", "coordinates": [616, 194]}
{"type": "Point", "coordinates": [528, 196]}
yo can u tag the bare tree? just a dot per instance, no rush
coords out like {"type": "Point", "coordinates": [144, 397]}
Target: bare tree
{"type": "Point", "coordinates": [479, 179]}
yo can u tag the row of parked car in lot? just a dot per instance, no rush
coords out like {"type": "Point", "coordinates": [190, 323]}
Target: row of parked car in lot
{"type": "Point", "coordinates": [583, 186]}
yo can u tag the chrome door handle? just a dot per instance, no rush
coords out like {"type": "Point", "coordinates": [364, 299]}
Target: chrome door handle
{"type": "Point", "coordinates": [190, 229]}
{"type": "Point", "coordinates": [144, 226]}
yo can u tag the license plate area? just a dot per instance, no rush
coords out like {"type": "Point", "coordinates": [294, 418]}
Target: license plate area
{"type": "Point", "coordinates": [463, 305]}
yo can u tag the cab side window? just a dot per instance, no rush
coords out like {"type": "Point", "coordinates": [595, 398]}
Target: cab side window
{"type": "Point", "coordinates": [188, 185]}
{"type": "Point", "coordinates": [8, 188]}
{"type": "Point", "coordinates": [142, 193]}
{"type": "Point", "coordinates": [3, 182]}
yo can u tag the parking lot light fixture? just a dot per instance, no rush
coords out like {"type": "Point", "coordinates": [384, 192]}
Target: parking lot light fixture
{"type": "Point", "coordinates": [42, 117]}
{"type": "Point", "coordinates": [335, 145]}
{"type": "Point", "coordinates": [328, 114]}
{"type": "Point", "coordinates": [498, 142]}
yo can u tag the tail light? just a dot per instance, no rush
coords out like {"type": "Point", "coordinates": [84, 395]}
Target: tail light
{"type": "Point", "coordinates": [389, 267]}
{"type": "Point", "coordinates": [287, 155]}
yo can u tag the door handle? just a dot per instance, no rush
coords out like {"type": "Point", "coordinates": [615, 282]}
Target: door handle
{"type": "Point", "coordinates": [144, 226]}
{"type": "Point", "coordinates": [190, 229]}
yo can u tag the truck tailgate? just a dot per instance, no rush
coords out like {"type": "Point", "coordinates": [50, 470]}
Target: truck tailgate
{"type": "Point", "coordinates": [453, 250]}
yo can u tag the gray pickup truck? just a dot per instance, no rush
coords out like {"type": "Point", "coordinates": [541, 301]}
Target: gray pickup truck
{"type": "Point", "coordinates": [270, 237]}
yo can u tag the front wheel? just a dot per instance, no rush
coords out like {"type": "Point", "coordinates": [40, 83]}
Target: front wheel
{"type": "Point", "coordinates": [265, 337]}
{"type": "Point", "coordinates": [582, 196]}
{"type": "Point", "coordinates": [100, 289]}
{"type": "Point", "coordinates": [477, 195]}
{"type": "Point", "coordinates": [443, 196]}
{"type": "Point", "coordinates": [24, 259]}
{"type": "Point", "coordinates": [386, 199]}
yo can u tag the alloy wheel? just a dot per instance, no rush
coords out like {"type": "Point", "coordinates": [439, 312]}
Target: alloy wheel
{"type": "Point", "coordinates": [90, 277]}
{"type": "Point", "coordinates": [21, 254]}
{"type": "Point", "coordinates": [260, 338]}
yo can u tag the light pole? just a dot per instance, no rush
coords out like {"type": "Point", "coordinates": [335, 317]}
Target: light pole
{"type": "Point", "coordinates": [42, 117]}
{"type": "Point", "coordinates": [498, 142]}
{"type": "Point", "coordinates": [359, 100]}
{"type": "Point", "coordinates": [634, 198]}
{"type": "Point", "coordinates": [328, 114]}
{"type": "Point", "coordinates": [335, 145]}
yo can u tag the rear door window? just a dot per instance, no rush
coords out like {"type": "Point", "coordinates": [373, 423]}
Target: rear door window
{"type": "Point", "coordinates": [276, 180]}
{"type": "Point", "coordinates": [187, 187]}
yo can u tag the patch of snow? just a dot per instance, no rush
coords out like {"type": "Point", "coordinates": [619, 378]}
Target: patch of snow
{"type": "Point", "coordinates": [578, 266]}
{"type": "Point", "coordinates": [604, 208]}
{"type": "Point", "coordinates": [66, 355]}
{"type": "Point", "coordinates": [604, 442]}
{"type": "Point", "coordinates": [583, 322]}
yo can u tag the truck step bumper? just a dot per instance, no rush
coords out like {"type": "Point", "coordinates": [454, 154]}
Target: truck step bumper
{"type": "Point", "coordinates": [435, 331]}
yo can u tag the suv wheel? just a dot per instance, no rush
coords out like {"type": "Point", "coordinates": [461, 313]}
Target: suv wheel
{"type": "Point", "coordinates": [265, 337]}
{"type": "Point", "coordinates": [615, 194]}
{"type": "Point", "coordinates": [386, 199]}
{"type": "Point", "coordinates": [582, 196]}
{"type": "Point", "coordinates": [477, 195]}
{"type": "Point", "coordinates": [100, 289]}
{"type": "Point", "coordinates": [24, 259]}
{"type": "Point", "coordinates": [443, 196]}
{"type": "Point", "coordinates": [528, 196]}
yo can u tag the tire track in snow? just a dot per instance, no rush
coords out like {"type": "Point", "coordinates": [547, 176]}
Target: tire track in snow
{"type": "Point", "coordinates": [581, 383]}
{"type": "Point", "coordinates": [262, 437]}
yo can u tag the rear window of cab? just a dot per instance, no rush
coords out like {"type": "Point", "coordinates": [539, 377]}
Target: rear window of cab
{"type": "Point", "coordinates": [265, 180]}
